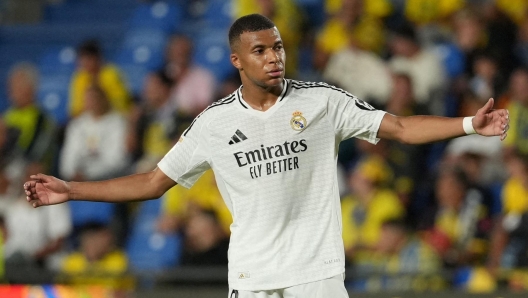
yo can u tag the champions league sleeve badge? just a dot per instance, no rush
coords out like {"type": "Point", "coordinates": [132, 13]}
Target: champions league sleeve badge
{"type": "Point", "coordinates": [298, 122]}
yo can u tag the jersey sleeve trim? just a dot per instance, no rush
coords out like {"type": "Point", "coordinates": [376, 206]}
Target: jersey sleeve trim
{"type": "Point", "coordinates": [224, 101]}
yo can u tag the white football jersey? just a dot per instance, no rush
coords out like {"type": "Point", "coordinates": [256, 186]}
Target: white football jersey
{"type": "Point", "coordinates": [276, 171]}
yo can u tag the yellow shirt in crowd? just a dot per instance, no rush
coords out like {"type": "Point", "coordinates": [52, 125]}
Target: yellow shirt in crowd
{"type": "Point", "coordinates": [205, 194]}
{"type": "Point", "coordinates": [384, 206]}
{"type": "Point", "coordinates": [426, 11]}
{"type": "Point", "coordinates": [109, 271]}
{"type": "Point", "coordinates": [109, 80]}
{"type": "Point", "coordinates": [24, 120]}
{"type": "Point", "coordinates": [514, 197]}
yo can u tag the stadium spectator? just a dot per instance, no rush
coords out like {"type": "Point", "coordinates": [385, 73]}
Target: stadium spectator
{"type": "Point", "coordinates": [359, 72]}
{"type": "Point", "coordinates": [153, 122]}
{"type": "Point", "coordinates": [98, 261]}
{"type": "Point", "coordinates": [486, 81]}
{"type": "Point", "coordinates": [422, 65]}
{"type": "Point", "coordinates": [407, 161]}
{"type": "Point", "coordinates": [455, 224]}
{"type": "Point", "coordinates": [369, 204]}
{"type": "Point", "coordinates": [398, 251]}
{"type": "Point", "coordinates": [509, 239]}
{"type": "Point", "coordinates": [91, 150]}
{"type": "Point", "coordinates": [193, 87]}
{"type": "Point", "coordinates": [206, 243]}
{"type": "Point", "coordinates": [288, 18]}
{"type": "Point", "coordinates": [36, 132]}
{"type": "Point", "coordinates": [36, 237]}
{"type": "Point", "coordinates": [350, 20]}
{"type": "Point", "coordinates": [180, 202]}
{"type": "Point", "coordinates": [517, 99]}
{"type": "Point", "coordinates": [93, 70]}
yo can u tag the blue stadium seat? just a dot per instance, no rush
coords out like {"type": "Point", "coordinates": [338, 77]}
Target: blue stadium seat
{"type": "Point", "coordinates": [52, 96]}
{"type": "Point", "coordinates": [89, 212]}
{"type": "Point", "coordinates": [212, 52]}
{"type": "Point", "coordinates": [58, 60]}
{"type": "Point", "coordinates": [314, 11]}
{"type": "Point", "coordinates": [88, 12]}
{"type": "Point", "coordinates": [150, 37]}
{"type": "Point", "coordinates": [218, 14]}
{"type": "Point", "coordinates": [160, 15]}
{"type": "Point", "coordinates": [148, 249]}
{"type": "Point", "coordinates": [134, 75]}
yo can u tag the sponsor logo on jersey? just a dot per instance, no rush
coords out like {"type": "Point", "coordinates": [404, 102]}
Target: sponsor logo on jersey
{"type": "Point", "coordinates": [298, 122]}
{"type": "Point", "coordinates": [269, 160]}
{"type": "Point", "coordinates": [237, 137]}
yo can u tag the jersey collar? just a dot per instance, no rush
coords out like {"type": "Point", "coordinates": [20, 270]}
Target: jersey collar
{"type": "Point", "coordinates": [277, 104]}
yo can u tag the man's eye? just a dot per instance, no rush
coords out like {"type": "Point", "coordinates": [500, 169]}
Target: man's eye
{"type": "Point", "coordinates": [259, 51]}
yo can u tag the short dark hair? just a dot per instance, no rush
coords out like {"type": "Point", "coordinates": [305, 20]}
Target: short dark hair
{"type": "Point", "coordinates": [249, 23]}
{"type": "Point", "coordinates": [89, 47]}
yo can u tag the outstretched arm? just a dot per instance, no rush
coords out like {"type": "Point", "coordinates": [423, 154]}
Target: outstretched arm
{"type": "Point", "coordinates": [44, 190]}
{"type": "Point", "coordinates": [426, 129]}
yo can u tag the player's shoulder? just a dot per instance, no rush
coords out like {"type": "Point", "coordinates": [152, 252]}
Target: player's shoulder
{"type": "Point", "coordinates": [219, 106]}
{"type": "Point", "coordinates": [319, 88]}
{"type": "Point", "coordinates": [213, 111]}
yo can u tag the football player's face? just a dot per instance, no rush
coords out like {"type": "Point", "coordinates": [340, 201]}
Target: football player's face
{"type": "Point", "coordinates": [260, 58]}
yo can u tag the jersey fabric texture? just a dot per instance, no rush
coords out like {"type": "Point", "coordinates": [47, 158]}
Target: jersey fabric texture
{"type": "Point", "coordinates": [276, 171]}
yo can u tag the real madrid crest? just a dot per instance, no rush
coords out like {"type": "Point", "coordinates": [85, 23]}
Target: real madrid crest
{"type": "Point", "coordinates": [298, 122]}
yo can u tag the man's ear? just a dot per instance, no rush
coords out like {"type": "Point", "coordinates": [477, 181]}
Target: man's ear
{"type": "Point", "coordinates": [235, 61]}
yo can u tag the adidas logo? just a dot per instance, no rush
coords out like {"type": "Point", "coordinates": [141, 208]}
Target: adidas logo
{"type": "Point", "coordinates": [237, 137]}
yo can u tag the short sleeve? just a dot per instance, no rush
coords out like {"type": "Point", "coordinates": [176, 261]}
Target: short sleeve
{"type": "Point", "coordinates": [190, 157]}
{"type": "Point", "coordinates": [352, 117]}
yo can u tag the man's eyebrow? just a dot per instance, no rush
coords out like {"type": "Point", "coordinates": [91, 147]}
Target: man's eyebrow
{"type": "Point", "coordinates": [260, 45]}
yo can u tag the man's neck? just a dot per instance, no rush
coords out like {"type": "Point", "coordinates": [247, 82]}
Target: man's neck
{"type": "Point", "coordinates": [261, 98]}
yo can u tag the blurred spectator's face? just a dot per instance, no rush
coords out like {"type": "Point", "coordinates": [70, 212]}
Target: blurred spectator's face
{"type": "Point", "coordinates": [351, 10]}
{"type": "Point", "coordinates": [389, 240]}
{"type": "Point", "coordinates": [21, 89]}
{"type": "Point", "coordinates": [154, 91]}
{"type": "Point", "coordinates": [179, 51]}
{"type": "Point", "coordinates": [468, 32]}
{"type": "Point", "coordinates": [485, 68]}
{"type": "Point", "coordinates": [267, 7]}
{"type": "Point", "coordinates": [96, 244]}
{"type": "Point", "coordinates": [401, 46]}
{"type": "Point", "coordinates": [89, 63]}
{"type": "Point", "coordinates": [95, 102]}
{"type": "Point", "coordinates": [360, 185]}
{"type": "Point", "coordinates": [519, 86]}
{"type": "Point", "coordinates": [449, 192]}
{"type": "Point", "coordinates": [202, 232]}
{"type": "Point", "coordinates": [402, 90]}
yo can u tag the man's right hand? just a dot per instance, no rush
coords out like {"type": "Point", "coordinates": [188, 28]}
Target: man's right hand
{"type": "Point", "coordinates": [44, 190]}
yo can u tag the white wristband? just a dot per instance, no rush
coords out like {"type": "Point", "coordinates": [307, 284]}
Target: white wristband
{"type": "Point", "coordinates": [467, 124]}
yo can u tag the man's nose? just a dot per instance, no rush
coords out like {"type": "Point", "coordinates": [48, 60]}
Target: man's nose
{"type": "Point", "coordinates": [273, 57]}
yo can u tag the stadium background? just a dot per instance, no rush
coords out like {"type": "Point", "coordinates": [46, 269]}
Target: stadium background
{"type": "Point", "coordinates": [442, 57]}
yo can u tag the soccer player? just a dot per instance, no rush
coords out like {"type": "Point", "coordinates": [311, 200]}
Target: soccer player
{"type": "Point", "coordinates": [272, 145]}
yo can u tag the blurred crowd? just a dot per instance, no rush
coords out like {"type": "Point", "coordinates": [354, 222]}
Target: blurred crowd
{"type": "Point", "coordinates": [459, 206]}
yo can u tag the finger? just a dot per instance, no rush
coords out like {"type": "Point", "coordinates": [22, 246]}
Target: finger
{"type": "Point", "coordinates": [503, 136]}
{"type": "Point", "coordinates": [39, 177]}
{"type": "Point", "coordinates": [487, 107]}
{"type": "Point", "coordinates": [29, 184]}
{"type": "Point", "coordinates": [35, 203]}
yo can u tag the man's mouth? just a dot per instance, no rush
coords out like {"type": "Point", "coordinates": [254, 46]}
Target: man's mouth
{"type": "Point", "coordinates": [276, 72]}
